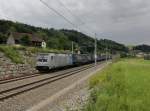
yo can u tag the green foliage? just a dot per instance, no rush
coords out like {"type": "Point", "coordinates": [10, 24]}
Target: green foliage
{"type": "Point", "coordinates": [40, 50]}
{"type": "Point", "coordinates": [11, 53]}
{"type": "Point", "coordinates": [25, 40]}
{"type": "Point", "coordinates": [123, 55]}
{"type": "Point", "coordinates": [42, 34]}
{"type": "Point", "coordinates": [59, 41]}
{"type": "Point", "coordinates": [143, 48]}
{"type": "Point", "coordinates": [123, 86]}
{"type": "Point", "coordinates": [35, 50]}
{"type": "Point", "coordinates": [3, 38]}
{"type": "Point", "coordinates": [112, 46]}
{"type": "Point", "coordinates": [62, 39]}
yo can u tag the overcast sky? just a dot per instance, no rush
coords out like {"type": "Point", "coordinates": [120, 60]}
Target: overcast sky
{"type": "Point", "coordinates": [125, 21]}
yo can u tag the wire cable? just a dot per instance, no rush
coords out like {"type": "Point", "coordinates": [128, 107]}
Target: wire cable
{"type": "Point", "coordinates": [66, 19]}
{"type": "Point", "coordinates": [57, 13]}
{"type": "Point", "coordinates": [74, 15]}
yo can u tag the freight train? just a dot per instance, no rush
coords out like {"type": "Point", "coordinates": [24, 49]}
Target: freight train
{"type": "Point", "coordinates": [48, 61]}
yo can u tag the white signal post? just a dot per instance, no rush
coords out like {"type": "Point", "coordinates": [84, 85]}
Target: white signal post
{"type": "Point", "coordinates": [95, 50]}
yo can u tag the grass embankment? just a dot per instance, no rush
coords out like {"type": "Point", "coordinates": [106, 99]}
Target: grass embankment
{"type": "Point", "coordinates": [11, 53]}
{"type": "Point", "coordinates": [123, 86]}
{"type": "Point", "coordinates": [35, 49]}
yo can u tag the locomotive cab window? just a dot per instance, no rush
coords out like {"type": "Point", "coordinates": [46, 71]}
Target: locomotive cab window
{"type": "Point", "coordinates": [44, 60]}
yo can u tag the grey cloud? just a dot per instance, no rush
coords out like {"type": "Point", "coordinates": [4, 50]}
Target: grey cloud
{"type": "Point", "coordinates": [126, 21]}
{"type": "Point", "coordinates": [124, 9]}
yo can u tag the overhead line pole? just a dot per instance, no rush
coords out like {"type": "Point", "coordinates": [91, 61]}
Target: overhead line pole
{"type": "Point", "coordinates": [72, 48]}
{"type": "Point", "coordinates": [95, 52]}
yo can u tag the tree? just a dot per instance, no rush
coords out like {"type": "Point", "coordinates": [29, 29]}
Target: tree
{"type": "Point", "coordinates": [53, 43]}
{"type": "Point", "coordinates": [143, 48]}
{"type": "Point", "coordinates": [61, 39]}
{"type": "Point", "coordinates": [3, 38]}
{"type": "Point", "coordinates": [25, 40]}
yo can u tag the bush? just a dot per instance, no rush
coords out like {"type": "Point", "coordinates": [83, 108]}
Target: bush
{"type": "Point", "coordinates": [25, 40]}
{"type": "Point", "coordinates": [11, 53]}
{"type": "Point", "coordinates": [123, 55]}
{"type": "Point", "coordinates": [3, 38]}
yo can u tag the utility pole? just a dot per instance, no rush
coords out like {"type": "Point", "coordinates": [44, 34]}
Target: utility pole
{"type": "Point", "coordinates": [95, 52]}
{"type": "Point", "coordinates": [106, 53]}
{"type": "Point", "coordinates": [72, 47]}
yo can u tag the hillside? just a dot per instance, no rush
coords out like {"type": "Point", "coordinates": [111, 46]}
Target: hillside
{"type": "Point", "coordinates": [59, 39]}
{"type": "Point", "coordinates": [142, 48]}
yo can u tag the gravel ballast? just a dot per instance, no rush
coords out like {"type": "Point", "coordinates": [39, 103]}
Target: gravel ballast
{"type": "Point", "coordinates": [32, 99]}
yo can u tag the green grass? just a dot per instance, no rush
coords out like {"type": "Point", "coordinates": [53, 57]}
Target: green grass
{"type": "Point", "coordinates": [123, 86]}
{"type": "Point", "coordinates": [38, 49]}
{"type": "Point", "coordinates": [11, 53]}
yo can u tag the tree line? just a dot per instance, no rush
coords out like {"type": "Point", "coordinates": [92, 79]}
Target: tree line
{"type": "Point", "coordinates": [61, 39]}
{"type": "Point", "coordinates": [143, 48]}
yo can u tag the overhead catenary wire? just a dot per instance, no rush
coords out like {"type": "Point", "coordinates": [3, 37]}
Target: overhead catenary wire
{"type": "Point", "coordinates": [75, 16]}
{"type": "Point", "coordinates": [61, 15]}
{"type": "Point", "coordinates": [65, 18]}
{"type": "Point", "coordinates": [58, 13]}
{"type": "Point", "coordinates": [69, 11]}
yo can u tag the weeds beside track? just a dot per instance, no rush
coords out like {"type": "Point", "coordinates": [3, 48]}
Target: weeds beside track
{"type": "Point", "coordinates": [123, 86]}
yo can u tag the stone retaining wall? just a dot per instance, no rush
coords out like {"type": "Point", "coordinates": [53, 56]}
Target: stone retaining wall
{"type": "Point", "coordinates": [9, 69]}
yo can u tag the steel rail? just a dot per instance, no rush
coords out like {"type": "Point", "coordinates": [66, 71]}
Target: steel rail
{"type": "Point", "coordinates": [30, 86]}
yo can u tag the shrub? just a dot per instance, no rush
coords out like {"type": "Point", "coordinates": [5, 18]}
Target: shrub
{"type": "Point", "coordinates": [11, 53]}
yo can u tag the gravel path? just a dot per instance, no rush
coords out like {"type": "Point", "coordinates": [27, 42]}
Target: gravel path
{"type": "Point", "coordinates": [73, 100]}
{"type": "Point", "coordinates": [29, 99]}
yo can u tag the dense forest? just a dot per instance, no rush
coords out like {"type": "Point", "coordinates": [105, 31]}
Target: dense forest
{"type": "Point", "coordinates": [61, 39]}
{"type": "Point", "coordinates": [143, 48]}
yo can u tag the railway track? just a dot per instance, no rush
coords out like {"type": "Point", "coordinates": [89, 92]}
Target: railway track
{"type": "Point", "coordinates": [19, 78]}
{"type": "Point", "coordinates": [14, 91]}
{"type": "Point", "coordinates": [4, 81]}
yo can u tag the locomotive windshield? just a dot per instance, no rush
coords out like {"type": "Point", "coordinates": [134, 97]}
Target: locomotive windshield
{"type": "Point", "coordinates": [42, 60]}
